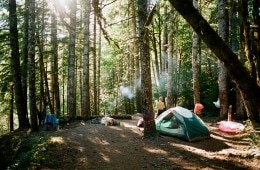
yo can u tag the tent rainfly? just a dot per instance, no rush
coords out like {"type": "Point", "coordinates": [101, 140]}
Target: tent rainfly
{"type": "Point", "coordinates": [182, 123]}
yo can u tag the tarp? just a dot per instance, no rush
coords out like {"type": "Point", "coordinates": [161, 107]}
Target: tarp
{"type": "Point", "coordinates": [181, 122]}
{"type": "Point", "coordinates": [51, 120]}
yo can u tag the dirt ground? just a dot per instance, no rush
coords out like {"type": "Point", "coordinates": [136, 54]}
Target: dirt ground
{"type": "Point", "coordinates": [85, 146]}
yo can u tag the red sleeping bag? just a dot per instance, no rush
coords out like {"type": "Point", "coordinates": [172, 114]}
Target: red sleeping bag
{"type": "Point", "coordinates": [229, 126]}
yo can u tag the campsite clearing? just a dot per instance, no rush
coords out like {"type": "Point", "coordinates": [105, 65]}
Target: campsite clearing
{"type": "Point", "coordinates": [83, 145]}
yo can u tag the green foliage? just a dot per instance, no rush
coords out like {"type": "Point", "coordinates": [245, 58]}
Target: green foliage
{"type": "Point", "coordinates": [22, 150]}
{"type": "Point", "coordinates": [185, 88]}
{"type": "Point", "coordinates": [3, 119]}
{"type": "Point", "coordinates": [3, 16]}
{"type": "Point", "coordinates": [209, 94]}
{"type": "Point", "coordinates": [14, 149]}
{"type": "Point", "coordinates": [5, 71]}
{"type": "Point", "coordinates": [161, 90]}
{"type": "Point", "coordinates": [116, 42]}
{"type": "Point", "coordinates": [182, 74]}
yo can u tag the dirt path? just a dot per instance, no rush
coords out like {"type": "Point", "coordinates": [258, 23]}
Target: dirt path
{"type": "Point", "coordinates": [95, 146]}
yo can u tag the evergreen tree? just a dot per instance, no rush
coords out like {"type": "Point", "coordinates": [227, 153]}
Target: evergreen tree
{"type": "Point", "coordinates": [146, 86]}
{"type": "Point", "coordinates": [16, 68]}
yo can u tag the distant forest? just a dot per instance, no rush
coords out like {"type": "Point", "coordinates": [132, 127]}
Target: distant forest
{"type": "Point", "coordinates": [78, 58]}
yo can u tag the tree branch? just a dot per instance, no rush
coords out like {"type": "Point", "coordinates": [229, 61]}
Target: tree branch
{"type": "Point", "coordinates": [236, 70]}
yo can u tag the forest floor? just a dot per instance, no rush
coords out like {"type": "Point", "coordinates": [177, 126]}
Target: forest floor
{"type": "Point", "coordinates": [83, 145]}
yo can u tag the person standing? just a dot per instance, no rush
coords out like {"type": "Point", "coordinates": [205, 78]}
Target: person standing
{"type": "Point", "coordinates": [160, 106]}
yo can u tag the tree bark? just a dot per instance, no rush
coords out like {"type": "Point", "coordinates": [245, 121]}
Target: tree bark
{"type": "Point", "coordinates": [249, 89]}
{"type": "Point", "coordinates": [31, 68]}
{"type": "Point", "coordinates": [169, 101]}
{"type": "Point", "coordinates": [55, 71]}
{"type": "Point", "coordinates": [11, 116]}
{"type": "Point", "coordinates": [138, 96]}
{"type": "Point", "coordinates": [247, 38]}
{"type": "Point", "coordinates": [129, 101]}
{"type": "Point", "coordinates": [24, 65]}
{"type": "Point", "coordinates": [16, 68]}
{"type": "Point", "coordinates": [234, 43]}
{"type": "Point", "coordinates": [85, 89]}
{"type": "Point", "coordinates": [256, 37]}
{"type": "Point", "coordinates": [71, 71]}
{"type": "Point", "coordinates": [95, 98]}
{"type": "Point", "coordinates": [163, 61]}
{"type": "Point", "coordinates": [223, 74]}
{"type": "Point", "coordinates": [195, 64]}
{"type": "Point", "coordinates": [146, 82]}
{"type": "Point", "coordinates": [99, 70]}
{"type": "Point", "coordinates": [45, 94]}
{"type": "Point", "coordinates": [156, 58]}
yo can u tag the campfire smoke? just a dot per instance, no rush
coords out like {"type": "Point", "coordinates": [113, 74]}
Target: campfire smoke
{"type": "Point", "coordinates": [126, 92]}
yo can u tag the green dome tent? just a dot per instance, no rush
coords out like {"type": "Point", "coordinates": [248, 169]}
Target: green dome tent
{"type": "Point", "coordinates": [182, 123]}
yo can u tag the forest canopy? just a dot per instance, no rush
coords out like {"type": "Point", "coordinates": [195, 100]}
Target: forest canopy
{"type": "Point", "coordinates": [84, 58]}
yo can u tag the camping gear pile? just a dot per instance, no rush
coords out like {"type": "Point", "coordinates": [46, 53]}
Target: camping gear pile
{"type": "Point", "coordinates": [106, 120]}
{"type": "Point", "coordinates": [182, 123]}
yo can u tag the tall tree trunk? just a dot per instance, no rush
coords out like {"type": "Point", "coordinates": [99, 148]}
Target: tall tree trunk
{"type": "Point", "coordinates": [71, 71]}
{"type": "Point", "coordinates": [98, 70]}
{"type": "Point", "coordinates": [234, 43]}
{"type": "Point", "coordinates": [164, 55]}
{"type": "Point", "coordinates": [63, 94]}
{"type": "Point", "coordinates": [95, 5]}
{"type": "Point", "coordinates": [256, 35]}
{"type": "Point", "coordinates": [31, 64]}
{"type": "Point", "coordinates": [25, 52]}
{"type": "Point", "coordinates": [54, 43]}
{"type": "Point", "coordinates": [85, 89]}
{"type": "Point", "coordinates": [247, 39]}
{"type": "Point", "coordinates": [44, 85]}
{"type": "Point", "coordinates": [11, 116]}
{"type": "Point", "coordinates": [163, 59]}
{"type": "Point", "coordinates": [169, 101]}
{"type": "Point", "coordinates": [132, 59]}
{"type": "Point", "coordinates": [43, 75]}
{"type": "Point", "coordinates": [146, 82]}
{"type": "Point", "coordinates": [44, 80]}
{"type": "Point", "coordinates": [16, 68]}
{"type": "Point", "coordinates": [158, 22]}
{"type": "Point", "coordinates": [138, 96]}
{"type": "Point", "coordinates": [77, 85]}
{"type": "Point", "coordinates": [223, 74]}
{"type": "Point", "coordinates": [195, 63]}
{"type": "Point", "coordinates": [156, 57]}
{"type": "Point", "coordinates": [249, 89]}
